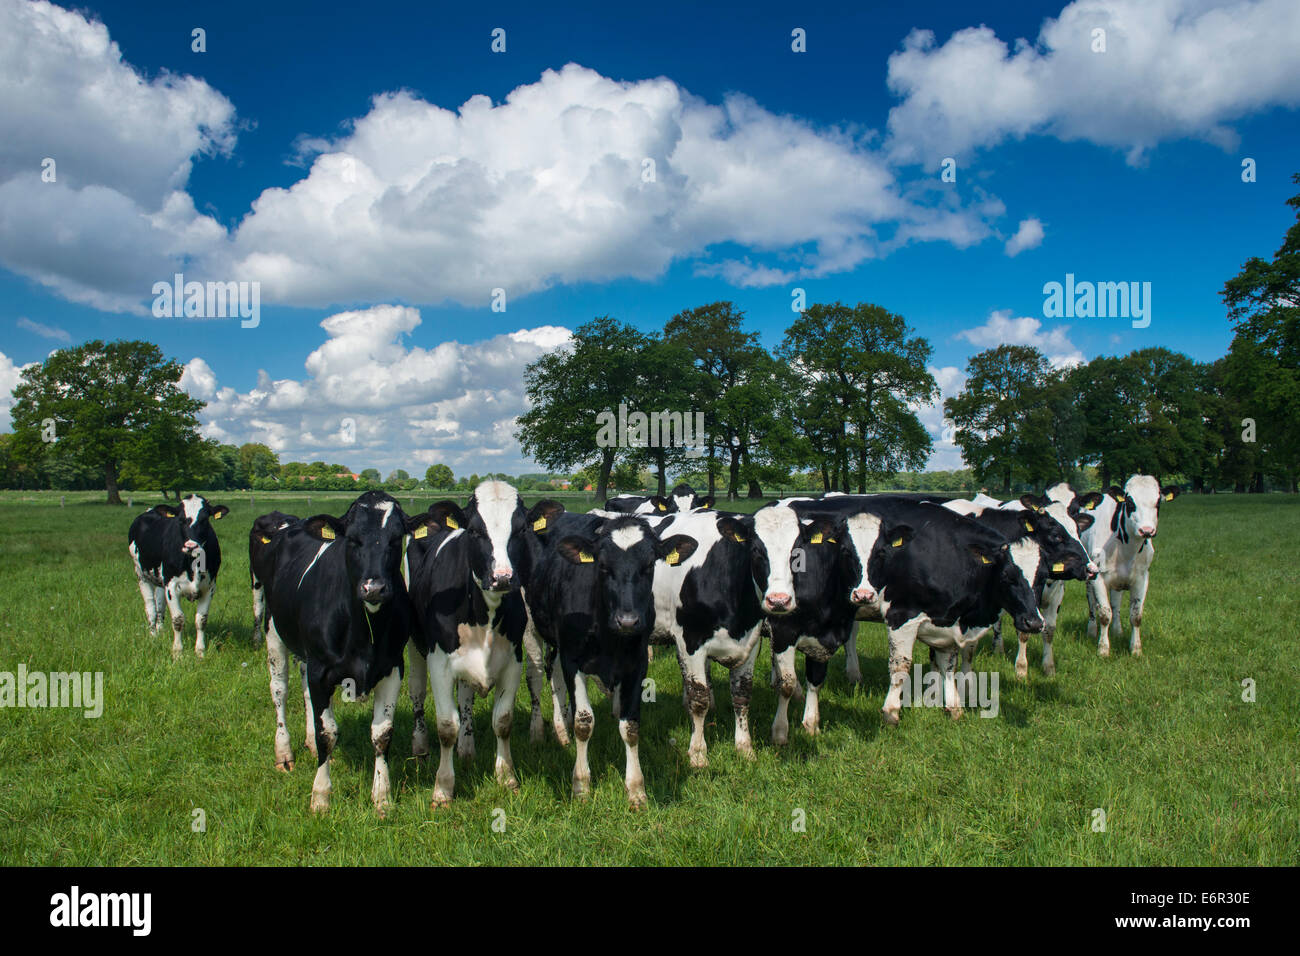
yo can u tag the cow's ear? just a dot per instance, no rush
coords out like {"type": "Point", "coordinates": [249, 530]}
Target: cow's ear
{"type": "Point", "coordinates": [167, 511]}
{"type": "Point", "coordinates": [1116, 492]}
{"type": "Point", "coordinates": [576, 550]}
{"type": "Point", "coordinates": [447, 514]}
{"type": "Point", "coordinates": [1169, 492]}
{"type": "Point", "coordinates": [543, 514]}
{"type": "Point", "coordinates": [658, 503]}
{"type": "Point", "coordinates": [419, 526]}
{"type": "Point", "coordinates": [324, 527]}
{"type": "Point", "coordinates": [1088, 502]}
{"type": "Point", "coordinates": [984, 555]}
{"type": "Point", "coordinates": [1083, 521]}
{"type": "Point", "coordinates": [676, 549]}
{"type": "Point", "coordinates": [734, 529]}
{"type": "Point", "coordinates": [820, 531]}
{"type": "Point", "coordinates": [898, 535]}
{"type": "Point", "coordinates": [218, 512]}
{"type": "Point", "coordinates": [1033, 502]}
{"type": "Point", "coordinates": [1028, 526]}
{"type": "Point", "coordinates": [708, 502]}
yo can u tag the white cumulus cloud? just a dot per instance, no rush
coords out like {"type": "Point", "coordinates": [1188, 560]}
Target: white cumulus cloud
{"type": "Point", "coordinates": [1029, 235]}
{"type": "Point", "coordinates": [1004, 329]}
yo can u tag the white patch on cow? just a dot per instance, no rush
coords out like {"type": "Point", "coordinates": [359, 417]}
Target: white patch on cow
{"type": "Point", "coordinates": [1144, 492]}
{"type": "Point", "coordinates": [371, 608]}
{"type": "Point", "coordinates": [447, 540]}
{"type": "Point", "coordinates": [1061, 492]}
{"type": "Point", "coordinates": [778, 529]}
{"type": "Point", "coordinates": [864, 530]}
{"type": "Point", "coordinates": [319, 552]}
{"type": "Point", "coordinates": [683, 502]}
{"type": "Point", "coordinates": [984, 501]}
{"type": "Point", "coordinates": [387, 508]}
{"type": "Point", "coordinates": [192, 505]}
{"type": "Point", "coordinates": [963, 506]}
{"type": "Point", "coordinates": [1026, 556]}
{"type": "Point", "coordinates": [497, 502]}
{"type": "Point", "coordinates": [627, 537]}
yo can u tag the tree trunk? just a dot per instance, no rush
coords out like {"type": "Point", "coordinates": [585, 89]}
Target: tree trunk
{"type": "Point", "coordinates": [110, 483]}
{"type": "Point", "coordinates": [826, 478]}
{"type": "Point", "coordinates": [713, 477]}
{"type": "Point", "coordinates": [862, 460]}
{"type": "Point", "coordinates": [606, 466]}
{"type": "Point", "coordinates": [755, 491]}
{"type": "Point", "coordinates": [660, 461]}
{"type": "Point", "coordinates": [733, 477]}
{"type": "Point", "coordinates": [1006, 483]}
{"type": "Point", "coordinates": [1257, 487]}
{"type": "Point", "coordinates": [1105, 478]}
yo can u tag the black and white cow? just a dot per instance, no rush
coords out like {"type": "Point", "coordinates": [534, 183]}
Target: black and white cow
{"type": "Point", "coordinates": [337, 600]}
{"type": "Point", "coordinates": [468, 594]}
{"type": "Point", "coordinates": [264, 527]}
{"type": "Point", "coordinates": [592, 601]}
{"type": "Point", "coordinates": [176, 555]}
{"type": "Point", "coordinates": [707, 607]}
{"type": "Point", "coordinates": [1122, 543]}
{"type": "Point", "coordinates": [681, 499]}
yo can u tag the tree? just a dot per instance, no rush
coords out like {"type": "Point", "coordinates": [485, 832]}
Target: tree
{"type": "Point", "coordinates": [861, 374]}
{"type": "Point", "coordinates": [101, 401]}
{"type": "Point", "coordinates": [439, 476]}
{"type": "Point", "coordinates": [1263, 301]}
{"type": "Point", "coordinates": [257, 461]}
{"type": "Point", "coordinates": [569, 388]}
{"type": "Point", "coordinates": [398, 474]}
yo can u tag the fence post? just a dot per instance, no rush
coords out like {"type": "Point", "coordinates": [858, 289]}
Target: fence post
{"type": "Point", "coordinates": [63, 501]}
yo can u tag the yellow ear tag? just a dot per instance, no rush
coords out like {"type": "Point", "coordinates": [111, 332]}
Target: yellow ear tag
{"type": "Point", "coordinates": [898, 542]}
{"type": "Point", "coordinates": [265, 540]}
{"type": "Point", "coordinates": [1058, 567]}
{"type": "Point", "coordinates": [1120, 498]}
{"type": "Point", "coordinates": [1169, 496]}
{"type": "Point", "coordinates": [540, 524]}
{"type": "Point", "coordinates": [817, 538]}
{"type": "Point", "coordinates": [1028, 526]}
{"type": "Point", "coordinates": [662, 506]}
{"type": "Point", "coordinates": [585, 558]}
{"type": "Point", "coordinates": [450, 522]}
{"type": "Point", "coordinates": [984, 560]}
{"type": "Point", "coordinates": [221, 514]}
{"type": "Point", "coordinates": [672, 557]}
{"type": "Point", "coordinates": [326, 532]}
{"type": "Point", "coordinates": [1090, 506]}
{"type": "Point", "coordinates": [421, 532]}
{"type": "Point", "coordinates": [705, 505]}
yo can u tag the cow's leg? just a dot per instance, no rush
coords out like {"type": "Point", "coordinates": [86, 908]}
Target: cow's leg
{"type": "Point", "coordinates": [503, 709]}
{"type": "Point", "coordinates": [786, 681]}
{"type": "Point", "coordinates": [852, 666]}
{"type": "Point", "coordinates": [968, 657]}
{"type": "Point", "coordinates": [629, 728]}
{"type": "Point", "coordinates": [277, 662]}
{"type": "Point", "coordinates": [201, 619]}
{"type": "Point", "coordinates": [946, 661]}
{"type": "Point", "coordinates": [443, 684]}
{"type": "Point", "coordinates": [1102, 606]}
{"type": "Point", "coordinates": [178, 620]}
{"type": "Point", "coordinates": [584, 722]}
{"type": "Point", "coordinates": [561, 715]}
{"type": "Point", "coordinates": [997, 637]}
{"type": "Point", "coordinates": [327, 735]}
{"type": "Point", "coordinates": [1137, 598]}
{"type": "Point", "coordinates": [381, 734]}
{"type": "Point", "coordinates": [815, 671]}
{"type": "Point", "coordinates": [151, 615]}
{"type": "Point", "coordinates": [1116, 602]}
{"type": "Point", "coordinates": [417, 685]}
{"type": "Point", "coordinates": [465, 701]}
{"type": "Point", "coordinates": [900, 666]}
{"type": "Point", "coordinates": [259, 612]}
{"type": "Point", "coordinates": [535, 674]}
{"type": "Point", "coordinates": [1052, 608]}
{"type": "Point", "coordinates": [695, 682]}
{"type": "Point", "coordinates": [742, 687]}
{"type": "Point", "coordinates": [159, 603]}
{"type": "Point", "coordinates": [307, 709]}
{"type": "Point", "coordinates": [1022, 656]}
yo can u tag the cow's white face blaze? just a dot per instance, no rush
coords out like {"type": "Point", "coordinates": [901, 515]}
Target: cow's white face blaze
{"type": "Point", "coordinates": [1144, 493]}
{"type": "Point", "coordinates": [1060, 513]}
{"type": "Point", "coordinates": [863, 533]}
{"type": "Point", "coordinates": [776, 530]}
{"type": "Point", "coordinates": [497, 504]}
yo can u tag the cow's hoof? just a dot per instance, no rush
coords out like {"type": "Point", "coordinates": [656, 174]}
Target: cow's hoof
{"type": "Point", "coordinates": [581, 789]}
{"type": "Point", "coordinates": [1022, 672]}
{"type": "Point", "coordinates": [320, 801]}
{"type": "Point", "coordinates": [780, 736]}
{"type": "Point", "coordinates": [176, 653]}
{"type": "Point", "coordinates": [311, 745]}
{"type": "Point", "coordinates": [1136, 652]}
{"type": "Point", "coordinates": [198, 653]}
{"type": "Point", "coordinates": [955, 713]}
{"type": "Point", "coordinates": [746, 750]}
{"type": "Point", "coordinates": [1049, 670]}
{"type": "Point", "coordinates": [508, 780]}
{"type": "Point", "coordinates": [382, 807]}
{"type": "Point", "coordinates": [699, 758]}
{"type": "Point", "coordinates": [637, 800]}
{"type": "Point", "coordinates": [283, 764]}
{"type": "Point", "coordinates": [420, 747]}
{"type": "Point", "coordinates": [440, 800]}
{"type": "Point", "coordinates": [1103, 652]}
{"type": "Point", "coordinates": [889, 717]}
{"type": "Point", "coordinates": [812, 730]}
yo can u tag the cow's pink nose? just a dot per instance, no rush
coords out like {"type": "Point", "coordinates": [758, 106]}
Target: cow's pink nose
{"type": "Point", "coordinates": [1147, 530]}
{"type": "Point", "coordinates": [1092, 570]}
{"type": "Point", "coordinates": [863, 595]}
{"type": "Point", "coordinates": [778, 599]}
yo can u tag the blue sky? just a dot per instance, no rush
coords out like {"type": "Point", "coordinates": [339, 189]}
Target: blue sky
{"type": "Point", "coordinates": [776, 170]}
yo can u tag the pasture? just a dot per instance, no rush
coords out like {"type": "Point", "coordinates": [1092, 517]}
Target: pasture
{"type": "Point", "coordinates": [1184, 769]}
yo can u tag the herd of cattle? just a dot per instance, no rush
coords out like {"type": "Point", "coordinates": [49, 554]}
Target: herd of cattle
{"type": "Point", "coordinates": [486, 594]}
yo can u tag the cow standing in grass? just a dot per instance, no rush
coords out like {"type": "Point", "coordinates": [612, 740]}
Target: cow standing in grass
{"type": "Point", "coordinates": [1122, 543]}
{"type": "Point", "coordinates": [259, 537]}
{"type": "Point", "coordinates": [176, 555]}
{"type": "Point", "coordinates": [337, 599]}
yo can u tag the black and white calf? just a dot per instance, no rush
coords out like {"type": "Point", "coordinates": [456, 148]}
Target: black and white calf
{"type": "Point", "coordinates": [681, 499]}
{"type": "Point", "coordinates": [467, 590]}
{"type": "Point", "coordinates": [592, 600]}
{"type": "Point", "coordinates": [176, 555]}
{"type": "Point", "coordinates": [337, 600]}
{"type": "Point", "coordinates": [707, 607]}
{"type": "Point", "coordinates": [1122, 543]}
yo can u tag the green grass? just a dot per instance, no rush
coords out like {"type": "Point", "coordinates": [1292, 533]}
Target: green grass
{"type": "Point", "coordinates": [1186, 772]}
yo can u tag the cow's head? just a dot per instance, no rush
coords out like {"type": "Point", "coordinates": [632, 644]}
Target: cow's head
{"type": "Point", "coordinates": [623, 555]}
{"type": "Point", "coordinates": [1139, 504]}
{"type": "Point", "coordinates": [866, 546]}
{"type": "Point", "coordinates": [1014, 566]}
{"type": "Point", "coordinates": [780, 546]}
{"type": "Point", "coordinates": [496, 523]}
{"type": "Point", "coordinates": [684, 499]}
{"type": "Point", "coordinates": [1057, 533]}
{"type": "Point", "coordinates": [371, 536]}
{"type": "Point", "coordinates": [194, 514]}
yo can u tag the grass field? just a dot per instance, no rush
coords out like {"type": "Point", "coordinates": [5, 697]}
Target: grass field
{"type": "Point", "coordinates": [1185, 770]}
